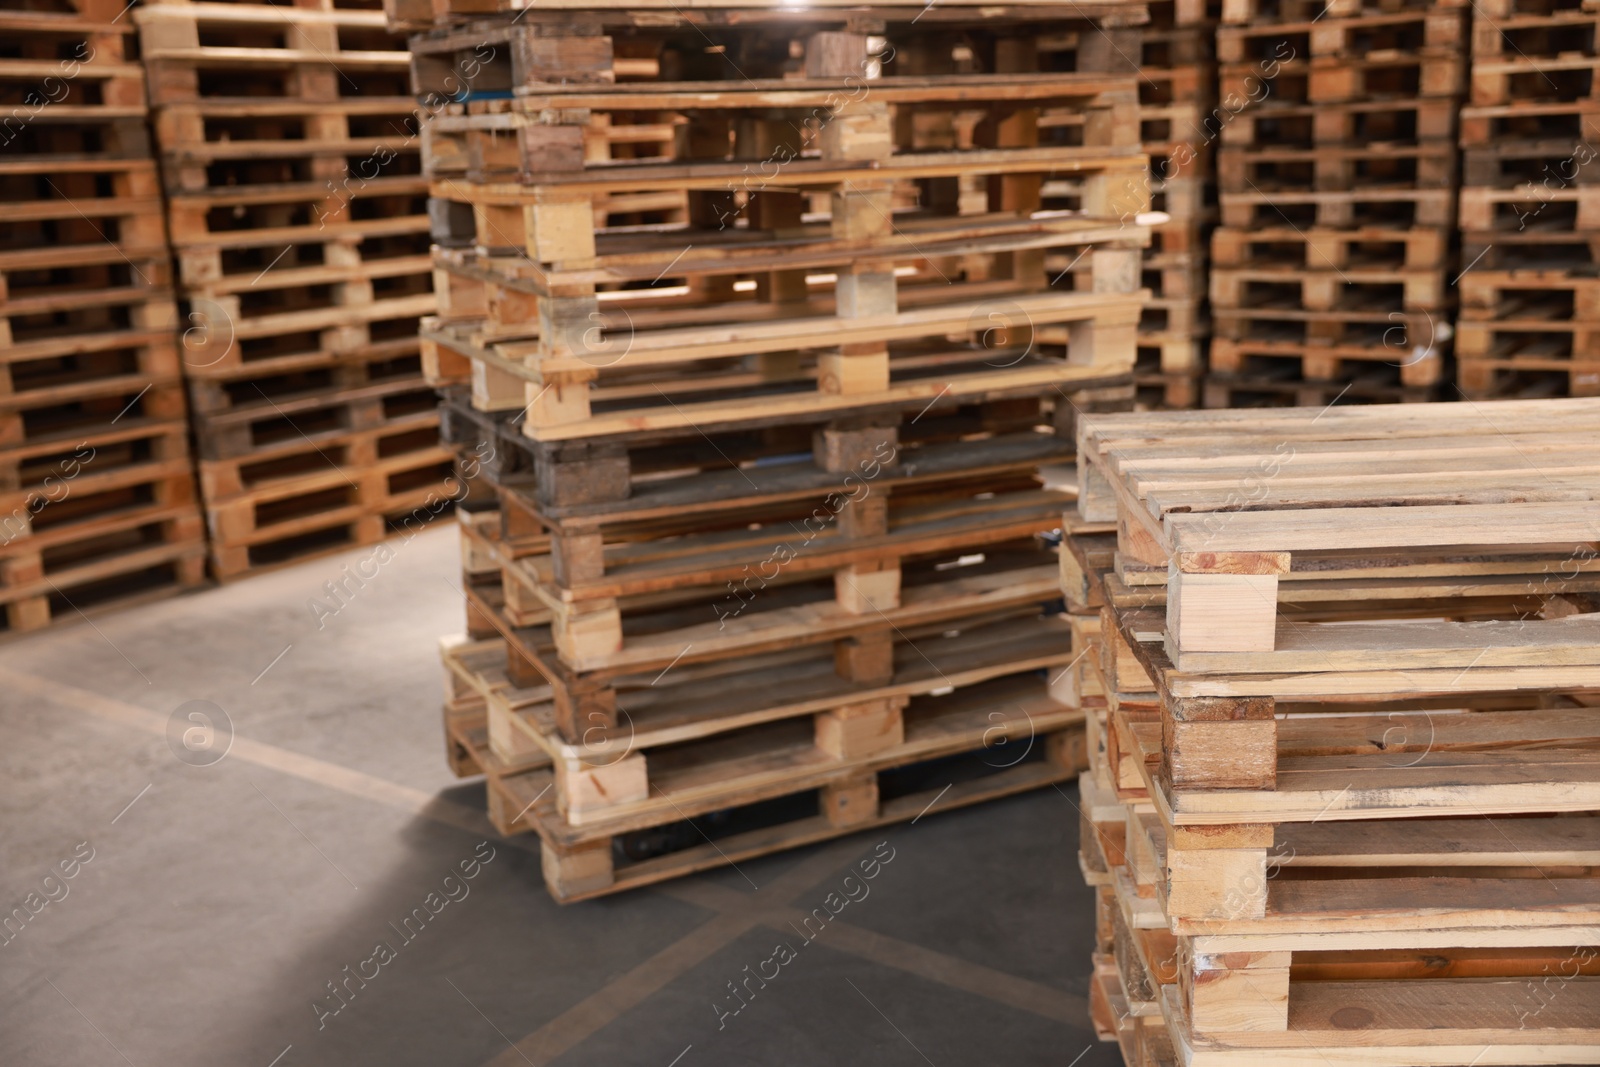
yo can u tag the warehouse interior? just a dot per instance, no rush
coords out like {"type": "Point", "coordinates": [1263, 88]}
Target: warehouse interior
{"type": "Point", "coordinates": [752, 532]}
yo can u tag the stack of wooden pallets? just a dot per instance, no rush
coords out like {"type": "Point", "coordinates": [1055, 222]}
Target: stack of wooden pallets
{"type": "Point", "coordinates": [290, 155]}
{"type": "Point", "coordinates": [1179, 125]}
{"type": "Point", "coordinates": [765, 413]}
{"type": "Point", "coordinates": [1173, 59]}
{"type": "Point", "coordinates": [1343, 673]}
{"type": "Point", "coordinates": [1530, 292]}
{"type": "Point", "coordinates": [1337, 174]}
{"type": "Point", "coordinates": [96, 491]}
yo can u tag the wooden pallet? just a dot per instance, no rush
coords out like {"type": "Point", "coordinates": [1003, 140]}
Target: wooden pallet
{"type": "Point", "coordinates": [268, 413]}
{"type": "Point", "coordinates": [1403, 119]}
{"type": "Point", "coordinates": [660, 638]}
{"type": "Point", "coordinates": [1577, 122]}
{"type": "Point", "coordinates": [911, 374]}
{"type": "Point", "coordinates": [291, 542]}
{"type": "Point", "coordinates": [1256, 963]}
{"type": "Point", "coordinates": [1418, 364]}
{"type": "Point", "coordinates": [640, 767]}
{"type": "Point", "coordinates": [1392, 879]}
{"type": "Point", "coordinates": [1392, 209]}
{"type": "Point", "coordinates": [1344, 36]}
{"type": "Point", "coordinates": [1524, 162]}
{"type": "Point", "coordinates": [1339, 79]}
{"type": "Point", "coordinates": [1526, 377]}
{"type": "Point", "coordinates": [766, 810]}
{"type": "Point", "coordinates": [110, 537]}
{"type": "Point", "coordinates": [1272, 168]}
{"type": "Point", "coordinates": [282, 509]}
{"type": "Point", "coordinates": [1347, 289]}
{"type": "Point", "coordinates": [1327, 249]}
{"type": "Point", "coordinates": [1533, 339]}
{"type": "Point", "coordinates": [1348, 519]}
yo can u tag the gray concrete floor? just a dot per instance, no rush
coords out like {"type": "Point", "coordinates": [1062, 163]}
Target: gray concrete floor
{"type": "Point", "coordinates": [221, 899]}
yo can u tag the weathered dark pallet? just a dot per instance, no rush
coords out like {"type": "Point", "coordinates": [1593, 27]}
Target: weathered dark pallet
{"type": "Point", "coordinates": [659, 473]}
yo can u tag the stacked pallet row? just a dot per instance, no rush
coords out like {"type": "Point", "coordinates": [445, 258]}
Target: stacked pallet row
{"type": "Point", "coordinates": [289, 150]}
{"type": "Point", "coordinates": [97, 501]}
{"type": "Point", "coordinates": [1530, 289]}
{"type": "Point", "coordinates": [764, 413]}
{"type": "Point", "coordinates": [1344, 793]}
{"type": "Point", "coordinates": [1179, 121]}
{"type": "Point", "coordinates": [1171, 58]}
{"type": "Point", "coordinates": [1337, 171]}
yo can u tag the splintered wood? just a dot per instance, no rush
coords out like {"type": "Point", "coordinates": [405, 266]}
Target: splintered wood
{"type": "Point", "coordinates": [1342, 670]}
{"type": "Point", "coordinates": [759, 329]}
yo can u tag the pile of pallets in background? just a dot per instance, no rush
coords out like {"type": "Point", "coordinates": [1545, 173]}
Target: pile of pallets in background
{"type": "Point", "coordinates": [1342, 672]}
{"type": "Point", "coordinates": [1173, 59]}
{"type": "Point", "coordinates": [290, 154]}
{"type": "Point", "coordinates": [765, 412]}
{"type": "Point", "coordinates": [96, 490]}
{"type": "Point", "coordinates": [1530, 287]}
{"type": "Point", "coordinates": [1330, 271]}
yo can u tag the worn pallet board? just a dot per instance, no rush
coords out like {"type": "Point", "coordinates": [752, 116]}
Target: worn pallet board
{"type": "Point", "coordinates": [672, 753]}
{"type": "Point", "coordinates": [1463, 481]}
{"type": "Point", "coordinates": [1103, 329]}
{"type": "Point", "coordinates": [653, 476]}
{"type": "Point", "coordinates": [582, 864]}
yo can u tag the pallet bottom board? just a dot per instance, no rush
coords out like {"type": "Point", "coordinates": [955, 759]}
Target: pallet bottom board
{"type": "Point", "coordinates": [751, 844]}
